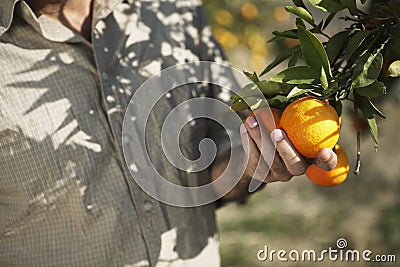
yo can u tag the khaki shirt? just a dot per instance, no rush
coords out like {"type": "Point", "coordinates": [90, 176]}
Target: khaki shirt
{"type": "Point", "coordinates": [66, 195]}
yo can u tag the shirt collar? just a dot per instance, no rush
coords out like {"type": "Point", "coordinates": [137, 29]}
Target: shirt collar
{"type": "Point", "coordinates": [6, 14]}
{"type": "Point", "coordinates": [102, 8]}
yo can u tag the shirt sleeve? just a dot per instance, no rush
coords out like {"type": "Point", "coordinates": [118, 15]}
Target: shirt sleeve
{"type": "Point", "coordinates": [206, 47]}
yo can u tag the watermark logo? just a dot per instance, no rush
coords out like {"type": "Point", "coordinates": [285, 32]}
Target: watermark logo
{"type": "Point", "coordinates": [341, 243]}
{"type": "Point", "coordinates": [136, 141]}
{"type": "Point", "coordinates": [338, 254]}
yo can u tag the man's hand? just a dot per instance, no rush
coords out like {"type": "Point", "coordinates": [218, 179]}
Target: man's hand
{"type": "Point", "coordinates": [286, 163]}
{"type": "Point", "coordinates": [263, 144]}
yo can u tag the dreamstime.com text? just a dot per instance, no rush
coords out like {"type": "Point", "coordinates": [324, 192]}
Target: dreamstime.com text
{"type": "Point", "coordinates": [339, 253]}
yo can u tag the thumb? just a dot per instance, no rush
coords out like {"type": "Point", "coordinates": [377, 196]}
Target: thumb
{"type": "Point", "coordinates": [326, 159]}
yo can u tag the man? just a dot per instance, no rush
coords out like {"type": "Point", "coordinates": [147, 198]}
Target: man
{"type": "Point", "coordinates": [69, 69]}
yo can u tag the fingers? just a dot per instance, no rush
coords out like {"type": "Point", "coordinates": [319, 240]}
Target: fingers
{"type": "Point", "coordinates": [294, 162]}
{"type": "Point", "coordinates": [256, 166]}
{"type": "Point", "coordinates": [326, 159]}
{"type": "Point", "coordinates": [262, 142]}
{"type": "Point", "coordinates": [261, 138]}
{"type": "Point", "coordinates": [259, 149]}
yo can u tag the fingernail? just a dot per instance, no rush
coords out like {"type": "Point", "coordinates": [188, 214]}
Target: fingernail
{"type": "Point", "coordinates": [324, 155]}
{"type": "Point", "coordinates": [252, 122]}
{"type": "Point", "coordinates": [243, 129]}
{"type": "Point", "coordinates": [277, 135]}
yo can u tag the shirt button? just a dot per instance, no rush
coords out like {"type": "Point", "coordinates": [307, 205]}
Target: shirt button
{"type": "Point", "coordinates": [147, 205]}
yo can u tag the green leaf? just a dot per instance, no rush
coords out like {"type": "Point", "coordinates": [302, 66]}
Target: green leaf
{"type": "Point", "coordinates": [314, 2]}
{"type": "Point", "coordinates": [294, 59]}
{"type": "Point", "coordinates": [366, 73]}
{"type": "Point", "coordinates": [369, 111]}
{"type": "Point", "coordinates": [313, 51]}
{"type": "Point", "coordinates": [355, 42]}
{"type": "Point", "coordinates": [301, 13]}
{"type": "Point", "coordinates": [297, 75]}
{"type": "Point", "coordinates": [251, 76]}
{"type": "Point", "coordinates": [235, 97]}
{"type": "Point", "coordinates": [260, 89]}
{"type": "Point", "coordinates": [250, 103]}
{"type": "Point", "coordinates": [287, 34]}
{"type": "Point", "coordinates": [350, 5]}
{"type": "Point", "coordinates": [297, 92]}
{"type": "Point", "coordinates": [394, 69]}
{"type": "Point", "coordinates": [299, 3]}
{"type": "Point", "coordinates": [300, 22]}
{"type": "Point", "coordinates": [278, 101]}
{"type": "Point", "coordinates": [323, 79]}
{"type": "Point", "coordinates": [275, 38]}
{"type": "Point", "coordinates": [239, 105]}
{"type": "Point", "coordinates": [376, 89]}
{"type": "Point", "coordinates": [365, 104]}
{"type": "Point", "coordinates": [255, 103]}
{"type": "Point", "coordinates": [252, 96]}
{"type": "Point", "coordinates": [335, 45]}
{"type": "Point", "coordinates": [248, 90]}
{"type": "Point", "coordinates": [281, 57]}
{"type": "Point", "coordinates": [373, 129]}
{"type": "Point", "coordinates": [271, 89]}
{"type": "Point", "coordinates": [377, 41]}
{"type": "Point", "coordinates": [331, 6]}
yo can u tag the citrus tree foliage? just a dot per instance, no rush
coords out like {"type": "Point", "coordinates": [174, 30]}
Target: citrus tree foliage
{"type": "Point", "coordinates": [351, 64]}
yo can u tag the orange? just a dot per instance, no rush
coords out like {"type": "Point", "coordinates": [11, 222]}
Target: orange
{"type": "Point", "coordinates": [310, 125]}
{"type": "Point", "coordinates": [330, 178]}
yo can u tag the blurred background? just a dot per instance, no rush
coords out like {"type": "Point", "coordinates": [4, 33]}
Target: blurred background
{"type": "Point", "coordinates": [365, 210]}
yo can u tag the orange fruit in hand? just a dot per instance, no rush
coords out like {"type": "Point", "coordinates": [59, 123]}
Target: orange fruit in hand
{"type": "Point", "coordinates": [310, 125]}
{"type": "Point", "coordinates": [330, 178]}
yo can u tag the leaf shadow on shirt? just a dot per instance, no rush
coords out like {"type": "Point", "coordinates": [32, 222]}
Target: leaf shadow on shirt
{"type": "Point", "coordinates": [197, 225]}
{"type": "Point", "coordinates": [72, 150]}
{"type": "Point", "coordinates": [52, 148]}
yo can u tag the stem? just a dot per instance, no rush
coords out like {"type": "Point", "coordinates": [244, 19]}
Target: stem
{"type": "Point", "coordinates": [326, 35]}
{"type": "Point", "coordinates": [347, 18]}
{"type": "Point", "coordinates": [358, 164]}
{"type": "Point", "coordinates": [361, 12]}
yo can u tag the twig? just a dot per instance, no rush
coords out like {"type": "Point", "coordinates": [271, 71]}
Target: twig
{"type": "Point", "coordinates": [358, 164]}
